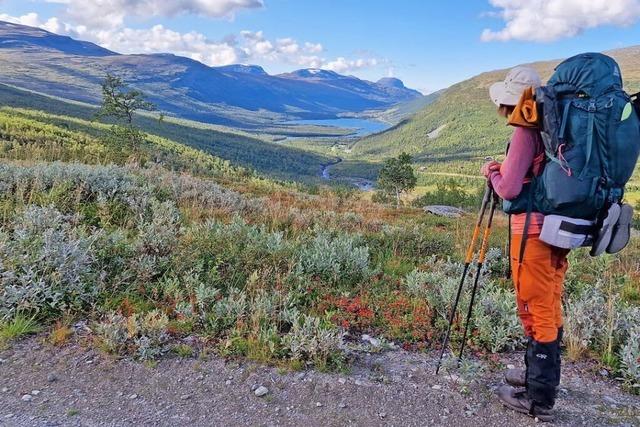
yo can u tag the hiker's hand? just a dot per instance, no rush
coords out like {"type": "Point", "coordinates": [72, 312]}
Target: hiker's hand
{"type": "Point", "coordinates": [489, 167]}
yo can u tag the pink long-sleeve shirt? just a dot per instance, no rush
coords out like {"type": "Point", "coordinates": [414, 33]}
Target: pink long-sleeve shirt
{"type": "Point", "coordinates": [526, 146]}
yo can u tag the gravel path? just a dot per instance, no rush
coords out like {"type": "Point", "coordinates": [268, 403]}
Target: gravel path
{"type": "Point", "coordinates": [75, 386]}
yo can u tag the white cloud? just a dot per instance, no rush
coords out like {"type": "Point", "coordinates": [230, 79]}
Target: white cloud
{"type": "Point", "coordinates": [110, 13]}
{"type": "Point", "coordinates": [343, 65]}
{"type": "Point", "coordinates": [548, 20]}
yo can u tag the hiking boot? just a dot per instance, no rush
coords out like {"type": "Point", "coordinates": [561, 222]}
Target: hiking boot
{"type": "Point", "coordinates": [518, 400]}
{"type": "Point", "coordinates": [516, 377]}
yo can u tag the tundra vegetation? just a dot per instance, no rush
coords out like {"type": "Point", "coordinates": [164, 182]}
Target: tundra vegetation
{"type": "Point", "coordinates": [181, 249]}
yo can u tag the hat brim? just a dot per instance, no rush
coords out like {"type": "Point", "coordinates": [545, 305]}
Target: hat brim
{"type": "Point", "coordinates": [499, 95]}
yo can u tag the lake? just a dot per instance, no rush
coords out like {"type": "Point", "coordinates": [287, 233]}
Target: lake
{"type": "Point", "coordinates": [362, 127]}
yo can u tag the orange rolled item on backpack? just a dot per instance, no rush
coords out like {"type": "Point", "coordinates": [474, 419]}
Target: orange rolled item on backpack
{"type": "Point", "coordinates": [525, 114]}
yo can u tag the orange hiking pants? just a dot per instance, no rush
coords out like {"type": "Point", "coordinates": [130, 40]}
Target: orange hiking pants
{"type": "Point", "coordinates": [539, 285]}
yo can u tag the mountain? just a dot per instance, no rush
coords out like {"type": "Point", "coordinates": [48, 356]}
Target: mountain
{"type": "Point", "coordinates": [238, 95]}
{"type": "Point", "coordinates": [462, 124]}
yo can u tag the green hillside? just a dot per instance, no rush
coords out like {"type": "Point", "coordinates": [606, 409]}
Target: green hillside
{"type": "Point", "coordinates": [462, 125]}
{"type": "Point", "coordinates": [240, 148]}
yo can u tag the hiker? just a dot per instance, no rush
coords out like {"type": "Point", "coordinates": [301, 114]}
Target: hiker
{"type": "Point", "coordinates": [538, 272]}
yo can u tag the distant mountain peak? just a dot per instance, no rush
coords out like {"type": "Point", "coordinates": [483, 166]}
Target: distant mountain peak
{"type": "Point", "coordinates": [391, 82]}
{"type": "Point", "coordinates": [23, 37]}
{"type": "Point", "coordinates": [315, 73]}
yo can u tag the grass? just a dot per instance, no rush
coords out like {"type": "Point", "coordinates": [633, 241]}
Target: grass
{"type": "Point", "coordinates": [19, 326]}
{"type": "Point", "coordinates": [240, 148]}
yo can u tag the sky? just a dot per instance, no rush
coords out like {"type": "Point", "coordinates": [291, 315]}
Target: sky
{"type": "Point", "coordinates": [428, 44]}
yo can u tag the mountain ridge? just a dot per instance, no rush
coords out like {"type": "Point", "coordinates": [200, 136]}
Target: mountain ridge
{"type": "Point", "coordinates": [237, 95]}
{"type": "Point", "coordinates": [465, 117]}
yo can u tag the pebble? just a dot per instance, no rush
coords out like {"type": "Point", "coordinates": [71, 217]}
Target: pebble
{"type": "Point", "coordinates": [185, 397]}
{"type": "Point", "coordinates": [9, 416]}
{"type": "Point", "coordinates": [511, 366]}
{"type": "Point", "coordinates": [52, 377]}
{"type": "Point", "coordinates": [228, 382]}
{"type": "Point", "coordinates": [26, 398]}
{"type": "Point", "coordinates": [318, 404]}
{"type": "Point", "coordinates": [35, 392]}
{"type": "Point", "coordinates": [342, 405]}
{"type": "Point", "coordinates": [342, 380]}
{"type": "Point", "coordinates": [261, 391]}
{"type": "Point", "coordinates": [133, 396]}
{"type": "Point", "coordinates": [300, 376]}
{"type": "Point", "coordinates": [4, 389]}
{"type": "Point", "coordinates": [436, 387]}
{"type": "Point", "coordinates": [358, 382]}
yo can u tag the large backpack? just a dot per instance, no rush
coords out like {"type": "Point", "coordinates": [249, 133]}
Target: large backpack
{"type": "Point", "coordinates": [591, 135]}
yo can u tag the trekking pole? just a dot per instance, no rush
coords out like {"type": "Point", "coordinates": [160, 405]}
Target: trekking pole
{"type": "Point", "coordinates": [481, 258]}
{"type": "Point", "coordinates": [467, 263]}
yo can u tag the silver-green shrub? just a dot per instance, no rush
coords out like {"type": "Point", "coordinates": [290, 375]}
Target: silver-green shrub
{"type": "Point", "coordinates": [142, 335]}
{"type": "Point", "coordinates": [311, 340]}
{"type": "Point", "coordinates": [46, 265]}
{"type": "Point", "coordinates": [335, 259]}
{"type": "Point", "coordinates": [629, 355]}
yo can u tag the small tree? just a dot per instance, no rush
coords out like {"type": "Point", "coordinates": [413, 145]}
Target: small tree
{"type": "Point", "coordinates": [397, 176]}
{"type": "Point", "coordinates": [121, 103]}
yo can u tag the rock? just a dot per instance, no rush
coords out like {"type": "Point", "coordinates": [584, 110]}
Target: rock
{"type": "Point", "coordinates": [342, 405]}
{"type": "Point", "coordinates": [52, 377]}
{"type": "Point", "coordinates": [185, 397]}
{"type": "Point", "coordinates": [436, 387]}
{"type": "Point", "coordinates": [511, 366]}
{"type": "Point", "coordinates": [300, 376]}
{"type": "Point", "coordinates": [358, 382]}
{"type": "Point", "coordinates": [373, 341]}
{"type": "Point", "coordinates": [228, 382]}
{"type": "Point", "coordinates": [261, 391]}
{"type": "Point", "coordinates": [446, 211]}
{"type": "Point", "coordinates": [26, 398]}
{"type": "Point", "coordinates": [318, 405]}
{"type": "Point", "coordinates": [604, 372]}
{"type": "Point", "coordinates": [4, 389]}
{"type": "Point", "coordinates": [133, 396]}
{"type": "Point", "coordinates": [35, 392]}
{"type": "Point", "coordinates": [342, 380]}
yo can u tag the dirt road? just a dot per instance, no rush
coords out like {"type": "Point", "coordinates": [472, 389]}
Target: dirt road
{"type": "Point", "coordinates": [75, 386]}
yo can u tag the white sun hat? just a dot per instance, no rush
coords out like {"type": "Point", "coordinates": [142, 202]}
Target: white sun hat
{"type": "Point", "coordinates": [509, 91]}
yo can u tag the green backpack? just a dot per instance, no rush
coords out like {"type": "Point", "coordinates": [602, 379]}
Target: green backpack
{"type": "Point", "coordinates": [591, 134]}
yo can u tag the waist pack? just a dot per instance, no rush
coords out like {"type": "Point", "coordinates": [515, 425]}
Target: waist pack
{"type": "Point", "coordinates": [568, 233]}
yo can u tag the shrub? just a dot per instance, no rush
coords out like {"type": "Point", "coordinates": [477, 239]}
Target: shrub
{"type": "Point", "coordinates": [46, 265]}
{"type": "Point", "coordinates": [630, 360]}
{"type": "Point", "coordinates": [142, 335]}
{"type": "Point", "coordinates": [583, 320]}
{"type": "Point", "coordinates": [449, 193]}
{"type": "Point", "coordinates": [312, 340]}
{"type": "Point", "coordinates": [339, 260]}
